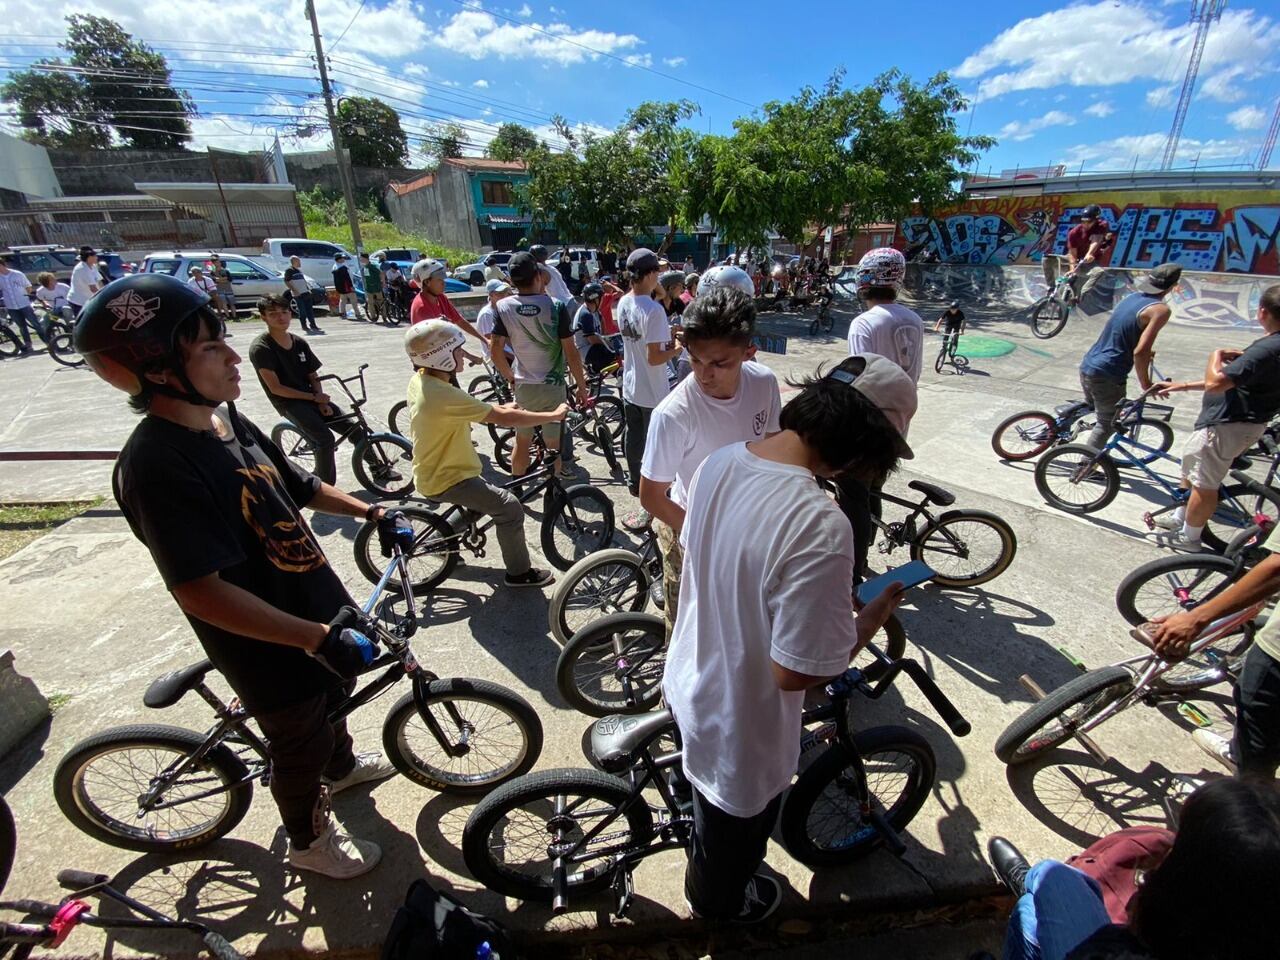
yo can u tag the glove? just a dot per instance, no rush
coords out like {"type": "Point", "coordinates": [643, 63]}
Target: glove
{"type": "Point", "coordinates": [393, 529]}
{"type": "Point", "coordinates": [345, 650]}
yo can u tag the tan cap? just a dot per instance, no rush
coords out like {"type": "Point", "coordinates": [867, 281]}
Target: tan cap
{"type": "Point", "coordinates": [886, 385]}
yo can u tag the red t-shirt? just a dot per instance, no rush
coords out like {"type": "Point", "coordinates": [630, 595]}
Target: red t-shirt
{"type": "Point", "coordinates": [427, 307]}
{"type": "Point", "coordinates": [608, 325]}
{"type": "Point", "coordinates": [1080, 238]}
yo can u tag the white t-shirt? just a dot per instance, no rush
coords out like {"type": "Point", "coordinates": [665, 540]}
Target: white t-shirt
{"type": "Point", "coordinates": [56, 298]}
{"type": "Point", "coordinates": [81, 277]}
{"type": "Point", "coordinates": [203, 285]}
{"type": "Point", "coordinates": [484, 326]}
{"type": "Point", "coordinates": [13, 288]}
{"type": "Point", "coordinates": [688, 426]}
{"type": "Point", "coordinates": [556, 287]}
{"type": "Point", "coordinates": [890, 330]}
{"type": "Point", "coordinates": [768, 559]}
{"type": "Point", "coordinates": [642, 321]}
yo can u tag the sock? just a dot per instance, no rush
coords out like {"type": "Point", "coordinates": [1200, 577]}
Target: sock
{"type": "Point", "coordinates": [1192, 533]}
{"type": "Point", "coordinates": [1181, 514]}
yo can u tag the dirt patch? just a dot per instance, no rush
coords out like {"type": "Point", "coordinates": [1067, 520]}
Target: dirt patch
{"type": "Point", "coordinates": [20, 523]}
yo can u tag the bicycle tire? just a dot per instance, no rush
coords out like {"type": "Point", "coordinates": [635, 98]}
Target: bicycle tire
{"type": "Point", "coordinates": [819, 787]}
{"type": "Point", "coordinates": [1201, 575]}
{"type": "Point", "coordinates": [432, 559]}
{"type": "Point", "coordinates": [484, 837]}
{"type": "Point", "coordinates": [605, 582]}
{"type": "Point", "coordinates": [1034, 427]}
{"type": "Point", "coordinates": [502, 448]}
{"type": "Point", "coordinates": [61, 346]}
{"type": "Point", "coordinates": [393, 418]}
{"type": "Point", "coordinates": [1093, 691]}
{"type": "Point", "coordinates": [605, 441]}
{"type": "Point", "coordinates": [482, 386]}
{"type": "Point", "coordinates": [941, 361]}
{"type": "Point", "coordinates": [932, 555]}
{"type": "Point", "coordinates": [293, 443]}
{"type": "Point", "coordinates": [10, 344]}
{"type": "Point", "coordinates": [615, 665]}
{"type": "Point", "coordinates": [1048, 318]}
{"type": "Point", "coordinates": [609, 411]}
{"type": "Point", "coordinates": [579, 522]}
{"type": "Point", "coordinates": [88, 817]}
{"type": "Point", "coordinates": [8, 842]}
{"type": "Point", "coordinates": [1143, 428]}
{"type": "Point", "coordinates": [1064, 462]}
{"type": "Point", "coordinates": [391, 453]}
{"type": "Point", "coordinates": [457, 690]}
{"type": "Point", "coordinates": [1237, 509]}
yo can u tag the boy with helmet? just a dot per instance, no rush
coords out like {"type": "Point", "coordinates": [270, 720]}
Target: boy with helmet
{"type": "Point", "coordinates": [431, 301]}
{"type": "Point", "coordinates": [726, 276]}
{"type": "Point", "coordinates": [588, 329]}
{"type": "Point", "coordinates": [445, 464]}
{"type": "Point", "coordinates": [220, 509]}
{"type": "Point", "coordinates": [1085, 241]}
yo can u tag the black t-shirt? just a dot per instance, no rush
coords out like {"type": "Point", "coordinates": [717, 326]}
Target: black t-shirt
{"type": "Point", "coordinates": [954, 321]}
{"type": "Point", "coordinates": [204, 505]}
{"type": "Point", "coordinates": [292, 367]}
{"type": "Point", "coordinates": [1255, 398]}
{"type": "Point", "coordinates": [342, 279]}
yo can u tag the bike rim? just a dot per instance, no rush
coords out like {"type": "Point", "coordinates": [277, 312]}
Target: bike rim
{"type": "Point", "coordinates": [388, 462]}
{"type": "Point", "coordinates": [427, 558]}
{"type": "Point", "coordinates": [1071, 480]}
{"type": "Point", "coordinates": [1025, 436]}
{"type": "Point", "coordinates": [1176, 591]}
{"type": "Point", "coordinates": [835, 820]}
{"type": "Point", "coordinates": [609, 588]}
{"type": "Point", "coordinates": [520, 843]}
{"type": "Point", "coordinates": [623, 671]}
{"type": "Point", "coordinates": [963, 549]}
{"type": "Point", "coordinates": [298, 449]}
{"type": "Point", "coordinates": [494, 738]}
{"type": "Point", "coordinates": [580, 528]}
{"type": "Point", "coordinates": [1065, 723]}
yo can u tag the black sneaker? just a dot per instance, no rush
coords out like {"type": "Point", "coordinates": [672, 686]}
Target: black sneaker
{"type": "Point", "coordinates": [1009, 864]}
{"type": "Point", "coordinates": [316, 330]}
{"type": "Point", "coordinates": [763, 896]}
{"type": "Point", "coordinates": [534, 578]}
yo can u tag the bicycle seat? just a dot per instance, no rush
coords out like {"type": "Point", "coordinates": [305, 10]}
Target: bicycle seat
{"type": "Point", "coordinates": [167, 690]}
{"type": "Point", "coordinates": [1071, 409]}
{"type": "Point", "coordinates": [933, 493]}
{"type": "Point", "coordinates": [615, 739]}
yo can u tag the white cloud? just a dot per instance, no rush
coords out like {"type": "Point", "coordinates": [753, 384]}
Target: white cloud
{"type": "Point", "coordinates": [1113, 42]}
{"type": "Point", "coordinates": [674, 61]}
{"type": "Point", "coordinates": [638, 60]}
{"type": "Point", "coordinates": [1020, 130]}
{"type": "Point", "coordinates": [415, 70]}
{"type": "Point", "coordinates": [1101, 109]}
{"type": "Point", "coordinates": [481, 84]}
{"type": "Point", "coordinates": [1161, 96]}
{"type": "Point", "coordinates": [1223, 86]}
{"type": "Point", "coordinates": [1247, 118]}
{"type": "Point", "coordinates": [525, 12]}
{"type": "Point", "coordinates": [1146, 151]}
{"type": "Point", "coordinates": [479, 35]}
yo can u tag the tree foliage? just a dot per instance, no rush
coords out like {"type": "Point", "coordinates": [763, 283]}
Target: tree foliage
{"type": "Point", "coordinates": [371, 131]}
{"type": "Point", "coordinates": [444, 141]}
{"type": "Point", "coordinates": [109, 84]}
{"type": "Point", "coordinates": [511, 142]}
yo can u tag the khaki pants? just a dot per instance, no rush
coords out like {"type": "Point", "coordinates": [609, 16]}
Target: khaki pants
{"type": "Point", "coordinates": [349, 298]}
{"type": "Point", "coordinates": [672, 561]}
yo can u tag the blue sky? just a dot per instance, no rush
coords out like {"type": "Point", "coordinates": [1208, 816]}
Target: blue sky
{"type": "Point", "coordinates": [1083, 83]}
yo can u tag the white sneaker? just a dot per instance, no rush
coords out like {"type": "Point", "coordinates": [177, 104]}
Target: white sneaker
{"type": "Point", "coordinates": [336, 855]}
{"type": "Point", "coordinates": [369, 766]}
{"type": "Point", "coordinates": [1216, 746]}
{"type": "Point", "coordinates": [1168, 521]}
{"type": "Point", "coordinates": [1177, 540]}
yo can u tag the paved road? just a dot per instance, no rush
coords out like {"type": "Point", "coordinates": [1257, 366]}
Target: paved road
{"type": "Point", "coordinates": [88, 618]}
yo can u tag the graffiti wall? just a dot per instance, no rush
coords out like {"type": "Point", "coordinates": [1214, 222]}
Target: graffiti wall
{"type": "Point", "coordinates": [1229, 231]}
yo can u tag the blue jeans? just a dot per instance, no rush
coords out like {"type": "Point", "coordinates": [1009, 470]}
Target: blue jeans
{"type": "Point", "coordinates": [306, 311]}
{"type": "Point", "coordinates": [1060, 910]}
{"type": "Point", "coordinates": [25, 319]}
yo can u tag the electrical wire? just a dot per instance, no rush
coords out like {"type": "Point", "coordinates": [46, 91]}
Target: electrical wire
{"type": "Point", "coordinates": [347, 27]}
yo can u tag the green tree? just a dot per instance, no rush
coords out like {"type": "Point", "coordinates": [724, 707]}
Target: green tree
{"type": "Point", "coordinates": [664, 150]}
{"type": "Point", "coordinates": [511, 142]}
{"type": "Point", "coordinates": [443, 141]}
{"type": "Point", "coordinates": [54, 108]}
{"type": "Point", "coordinates": [371, 131]}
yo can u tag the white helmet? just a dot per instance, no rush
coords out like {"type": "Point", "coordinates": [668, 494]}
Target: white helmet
{"type": "Point", "coordinates": [881, 267]}
{"type": "Point", "coordinates": [726, 276]}
{"type": "Point", "coordinates": [427, 268]}
{"type": "Point", "coordinates": [430, 344]}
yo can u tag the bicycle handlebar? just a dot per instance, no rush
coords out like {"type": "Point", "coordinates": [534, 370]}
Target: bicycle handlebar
{"type": "Point", "coordinates": [854, 679]}
{"type": "Point", "coordinates": [80, 879]}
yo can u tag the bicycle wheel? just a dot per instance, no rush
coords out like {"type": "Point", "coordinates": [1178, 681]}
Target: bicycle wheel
{"type": "Point", "coordinates": [605, 443]}
{"type": "Point", "coordinates": [1054, 719]}
{"type": "Point", "coordinates": [609, 581]}
{"type": "Point", "coordinates": [432, 559]}
{"type": "Point", "coordinates": [609, 412]}
{"type": "Point", "coordinates": [941, 361]}
{"type": "Point", "coordinates": [61, 347]}
{"type": "Point", "coordinates": [1209, 667]}
{"type": "Point", "coordinates": [1151, 433]}
{"type": "Point", "coordinates": [1077, 479]}
{"type": "Point", "coordinates": [822, 824]}
{"type": "Point", "coordinates": [383, 463]}
{"type": "Point", "coordinates": [506, 841]}
{"type": "Point", "coordinates": [1048, 318]}
{"type": "Point", "coordinates": [293, 443]}
{"type": "Point", "coordinates": [966, 547]}
{"type": "Point", "coordinates": [1024, 435]}
{"type": "Point", "coordinates": [960, 362]}
{"type": "Point", "coordinates": [579, 522]}
{"type": "Point", "coordinates": [1169, 585]}
{"type": "Point", "coordinates": [10, 344]}
{"type": "Point", "coordinates": [615, 665]}
{"type": "Point", "coordinates": [393, 418]}
{"type": "Point", "coordinates": [8, 842]}
{"type": "Point", "coordinates": [482, 387]}
{"type": "Point", "coordinates": [491, 735]}
{"type": "Point", "coordinates": [1240, 508]}
{"type": "Point", "coordinates": [98, 786]}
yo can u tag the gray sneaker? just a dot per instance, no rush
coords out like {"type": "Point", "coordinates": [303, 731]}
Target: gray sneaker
{"type": "Point", "coordinates": [1168, 521]}
{"type": "Point", "coordinates": [336, 855]}
{"type": "Point", "coordinates": [1216, 746]}
{"type": "Point", "coordinates": [1177, 540]}
{"type": "Point", "coordinates": [369, 766]}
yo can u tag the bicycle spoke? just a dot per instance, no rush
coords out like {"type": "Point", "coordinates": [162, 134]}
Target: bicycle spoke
{"type": "Point", "coordinates": [489, 741]}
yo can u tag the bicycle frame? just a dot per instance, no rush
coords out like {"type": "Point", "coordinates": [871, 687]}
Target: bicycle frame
{"type": "Point", "coordinates": [901, 532]}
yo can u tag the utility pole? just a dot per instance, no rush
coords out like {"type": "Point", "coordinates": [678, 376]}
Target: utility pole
{"type": "Point", "coordinates": [344, 172]}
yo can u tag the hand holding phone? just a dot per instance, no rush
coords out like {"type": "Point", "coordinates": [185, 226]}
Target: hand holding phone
{"type": "Point", "coordinates": [909, 575]}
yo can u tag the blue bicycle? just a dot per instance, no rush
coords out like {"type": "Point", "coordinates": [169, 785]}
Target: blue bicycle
{"type": "Point", "coordinates": [1076, 478]}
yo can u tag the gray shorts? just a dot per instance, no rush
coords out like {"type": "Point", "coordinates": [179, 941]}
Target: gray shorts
{"type": "Point", "coordinates": [540, 397]}
{"type": "Point", "coordinates": [1207, 457]}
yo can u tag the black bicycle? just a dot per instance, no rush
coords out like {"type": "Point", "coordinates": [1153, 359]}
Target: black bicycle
{"type": "Point", "coordinates": [382, 462]}
{"type": "Point", "coordinates": [947, 355]}
{"type": "Point", "coordinates": [605, 582]}
{"type": "Point", "coordinates": [549, 835]}
{"type": "Point", "coordinates": [153, 787]}
{"type": "Point", "coordinates": [601, 418]}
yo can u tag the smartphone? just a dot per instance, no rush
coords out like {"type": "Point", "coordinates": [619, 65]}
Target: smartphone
{"type": "Point", "coordinates": [909, 575]}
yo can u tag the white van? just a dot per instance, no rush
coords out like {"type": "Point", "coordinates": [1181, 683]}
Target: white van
{"type": "Point", "coordinates": [316, 256]}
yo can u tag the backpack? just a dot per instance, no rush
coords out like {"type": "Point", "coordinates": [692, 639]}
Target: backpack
{"type": "Point", "coordinates": [1116, 861]}
{"type": "Point", "coordinates": [434, 926]}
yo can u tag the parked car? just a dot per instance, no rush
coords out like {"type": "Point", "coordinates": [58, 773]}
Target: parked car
{"type": "Point", "coordinates": [403, 257]}
{"type": "Point", "coordinates": [316, 256]}
{"type": "Point", "coordinates": [34, 259]}
{"type": "Point", "coordinates": [249, 278]}
{"type": "Point", "coordinates": [473, 273]}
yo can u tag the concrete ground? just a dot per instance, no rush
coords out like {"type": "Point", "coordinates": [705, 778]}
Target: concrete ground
{"type": "Point", "coordinates": [88, 619]}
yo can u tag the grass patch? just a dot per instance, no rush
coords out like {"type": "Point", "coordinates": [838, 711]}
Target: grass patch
{"type": "Point", "coordinates": [58, 701]}
{"type": "Point", "coordinates": [378, 234]}
{"type": "Point", "coordinates": [20, 523]}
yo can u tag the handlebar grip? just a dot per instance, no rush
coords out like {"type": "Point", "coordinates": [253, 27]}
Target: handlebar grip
{"type": "Point", "coordinates": [79, 879]}
{"type": "Point", "coordinates": [33, 908]}
{"type": "Point", "coordinates": [952, 717]}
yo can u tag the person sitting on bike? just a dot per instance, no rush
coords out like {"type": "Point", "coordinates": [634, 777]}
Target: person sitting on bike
{"type": "Point", "coordinates": [588, 330]}
{"type": "Point", "coordinates": [445, 464]}
{"type": "Point", "coordinates": [15, 289]}
{"type": "Point", "coordinates": [1085, 241]}
{"type": "Point", "coordinates": [396, 285]}
{"type": "Point", "coordinates": [220, 509]}
{"type": "Point", "coordinates": [375, 302]}
{"type": "Point", "coordinates": [288, 370]}
{"type": "Point", "coordinates": [53, 293]}
{"type": "Point", "coordinates": [1241, 395]}
{"type": "Point", "coordinates": [728, 399]}
{"type": "Point", "coordinates": [1127, 342]}
{"type": "Point", "coordinates": [765, 614]}
{"type": "Point", "coordinates": [431, 302]}
{"type": "Point", "coordinates": [954, 318]}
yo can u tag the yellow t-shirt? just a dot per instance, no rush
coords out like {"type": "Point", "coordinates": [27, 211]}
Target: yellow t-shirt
{"type": "Point", "coordinates": [1268, 637]}
{"type": "Point", "coordinates": [440, 428]}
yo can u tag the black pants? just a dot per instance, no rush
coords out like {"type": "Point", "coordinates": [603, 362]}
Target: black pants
{"type": "Point", "coordinates": [859, 503]}
{"type": "Point", "coordinates": [1257, 697]}
{"type": "Point", "coordinates": [306, 311]}
{"type": "Point", "coordinates": [637, 430]}
{"type": "Point", "coordinates": [1104, 394]}
{"type": "Point", "coordinates": [598, 357]}
{"type": "Point", "coordinates": [304, 746]}
{"type": "Point", "coordinates": [321, 430]}
{"type": "Point", "coordinates": [725, 854]}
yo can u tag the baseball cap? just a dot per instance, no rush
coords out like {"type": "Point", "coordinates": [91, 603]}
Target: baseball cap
{"type": "Point", "coordinates": [522, 268]}
{"type": "Point", "coordinates": [1160, 279]}
{"type": "Point", "coordinates": [641, 261]}
{"type": "Point", "coordinates": [497, 286]}
{"type": "Point", "coordinates": [886, 385]}
{"type": "Point", "coordinates": [339, 256]}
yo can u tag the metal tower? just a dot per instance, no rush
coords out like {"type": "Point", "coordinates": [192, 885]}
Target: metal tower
{"type": "Point", "coordinates": [1203, 13]}
{"type": "Point", "coordinates": [1264, 155]}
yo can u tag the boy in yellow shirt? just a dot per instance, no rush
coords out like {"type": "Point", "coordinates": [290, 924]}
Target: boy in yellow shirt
{"type": "Point", "coordinates": [445, 464]}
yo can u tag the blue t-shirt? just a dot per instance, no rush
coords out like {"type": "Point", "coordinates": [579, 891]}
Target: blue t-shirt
{"type": "Point", "coordinates": [1111, 355]}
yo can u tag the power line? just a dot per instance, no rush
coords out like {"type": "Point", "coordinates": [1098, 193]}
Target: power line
{"type": "Point", "coordinates": [347, 27]}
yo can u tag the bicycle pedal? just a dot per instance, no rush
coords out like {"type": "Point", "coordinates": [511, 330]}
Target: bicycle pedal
{"type": "Point", "coordinates": [1073, 659]}
{"type": "Point", "coordinates": [1149, 520]}
{"type": "Point", "coordinates": [623, 890]}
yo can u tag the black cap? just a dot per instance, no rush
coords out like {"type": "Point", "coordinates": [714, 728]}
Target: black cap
{"type": "Point", "coordinates": [522, 268]}
{"type": "Point", "coordinates": [642, 261]}
{"type": "Point", "coordinates": [538, 252]}
{"type": "Point", "coordinates": [1161, 279]}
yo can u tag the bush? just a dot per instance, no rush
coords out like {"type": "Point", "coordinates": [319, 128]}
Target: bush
{"type": "Point", "coordinates": [377, 234]}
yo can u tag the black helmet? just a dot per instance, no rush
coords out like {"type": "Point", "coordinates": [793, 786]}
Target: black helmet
{"type": "Point", "coordinates": [591, 291]}
{"type": "Point", "coordinates": [129, 328]}
{"type": "Point", "coordinates": [539, 252]}
{"type": "Point", "coordinates": [1091, 212]}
